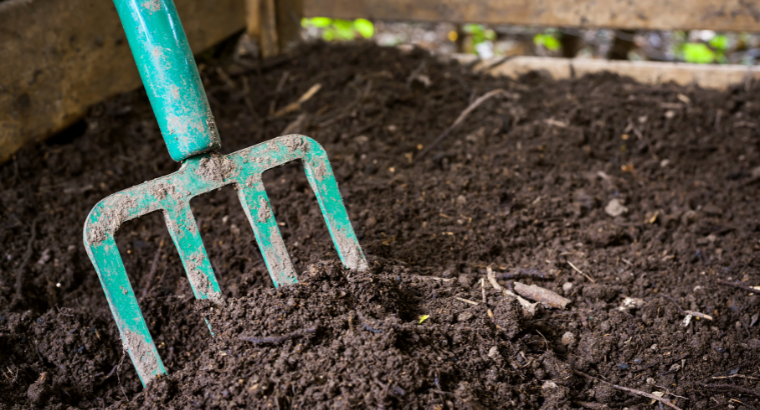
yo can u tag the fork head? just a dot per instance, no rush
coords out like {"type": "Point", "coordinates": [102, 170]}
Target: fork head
{"type": "Point", "coordinates": [172, 194]}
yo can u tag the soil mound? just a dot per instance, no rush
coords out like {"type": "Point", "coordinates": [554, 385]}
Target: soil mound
{"type": "Point", "coordinates": [637, 203]}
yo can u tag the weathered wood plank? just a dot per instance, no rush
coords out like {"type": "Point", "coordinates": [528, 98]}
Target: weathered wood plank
{"type": "Point", "coordinates": [253, 15]}
{"type": "Point", "coordinates": [719, 15]}
{"type": "Point", "coordinates": [274, 24]}
{"type": "Point", "coordinates": [289, 14]}
{"type": "Point", "coordinates": [646, 72]}
{"type": "Point", "coordinates": [270, 42]}
{"type": "Point", "coordinates": [59, 57]}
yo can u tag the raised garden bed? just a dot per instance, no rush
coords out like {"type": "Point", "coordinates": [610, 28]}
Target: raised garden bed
{"type": "Point", "coordinates": [524, 186]}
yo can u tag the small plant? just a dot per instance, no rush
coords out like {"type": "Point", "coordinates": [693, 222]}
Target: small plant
{"type": "Point", "coordinates": [719, 43]}
{"type": "Point", "coordinates": [337, 29]}
{"type": "Point", "coordinates": [480, 40]}
{"type": "Point", "coordinates": [549, 39]}
{"type": "Point", "coordinates": [479, 34]}
{"type": "Point", "coordinates": [706, 53]}
{"type": "Point", "coordinates": [697, 53]}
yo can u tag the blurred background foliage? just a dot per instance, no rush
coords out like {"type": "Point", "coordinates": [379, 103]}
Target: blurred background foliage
{"type": "Point", "coordinates": [337, 29]}
{"type": "Point", "coordinates": [696, 46]}
{"type": "Point", "coordinates": [550, 40]}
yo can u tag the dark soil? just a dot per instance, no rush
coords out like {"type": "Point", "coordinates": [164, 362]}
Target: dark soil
{"type": "Point", "coordinates": [521, 186]}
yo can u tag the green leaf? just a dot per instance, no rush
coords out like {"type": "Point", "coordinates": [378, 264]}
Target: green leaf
{"type": "Point", "coordinates": [472, 28]}
{"type": "Point", "coordinates": [321, 22]}
{"type": "Point", "coordinates": [328, 34]}
{"type": "Point", "coordinates": [698, 53]}
{"type": "Point", "coordinates": [547, 40]}
{"type": "Point", "coordinates": [345, 34]}
{"type": "Point", "coordinates": [344, 29]}
{"type": "Point", "coordinates": [343, 24]}
{"type": "Point", "coordinates": [719, 42]}
{"type": "Point", "coordinates": [552, 43]}
{"type": "Point", "coordinates": [423, 318]}
{"type": "Point", "coordinates": [364, 27]}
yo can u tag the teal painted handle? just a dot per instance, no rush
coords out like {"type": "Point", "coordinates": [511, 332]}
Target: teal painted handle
{"type": "Point", "coordinates": [168, 71]}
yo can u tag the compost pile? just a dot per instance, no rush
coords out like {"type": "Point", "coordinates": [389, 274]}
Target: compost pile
{"type": "Point", "coordinates": [634, 202]}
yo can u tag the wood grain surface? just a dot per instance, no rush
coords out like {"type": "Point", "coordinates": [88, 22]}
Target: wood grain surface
{"type": "Point", "coordinates": [59, 57]}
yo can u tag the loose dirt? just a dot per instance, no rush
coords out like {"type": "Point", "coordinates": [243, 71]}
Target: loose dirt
{"type": "Point", "coordinates": [528, 185]}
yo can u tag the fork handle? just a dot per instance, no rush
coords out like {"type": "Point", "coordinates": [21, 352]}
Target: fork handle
{"type": "Point", "coordinates": [170, 77]}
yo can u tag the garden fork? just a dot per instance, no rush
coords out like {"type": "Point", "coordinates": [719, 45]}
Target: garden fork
{"type": "Point", "coordinates": [171, 79]}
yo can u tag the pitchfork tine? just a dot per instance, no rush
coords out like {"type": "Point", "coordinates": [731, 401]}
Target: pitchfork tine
{"type": "Point", "coordinates": [272, 246]}
{"type": "Point", "coordinates": [187, 239]}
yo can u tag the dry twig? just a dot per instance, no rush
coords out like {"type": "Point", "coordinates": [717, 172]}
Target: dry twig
{"type": "Point", "coordinates": [737, 389]}
{"type": "Point", "coordinates": [579, 271]}
{"type": "Point", "coordinates": [432, 278]}
{"type": "Point", "coordinates": [675, 303]}
{"type": "Point", "coordinates": [475, 104]}
{"type": "Point", "coordinates": [740, 286]}
{"type": "Point", "coordinates": [295, 106]}
{"type": "Point", "coordinates": [118, 378]}
{"type": "Point", "coordinates": [687, 313]}
{"type": "Point", "coordinates": [744, 404]}
{"type": "Point", "coordinates": [699, 315]}
{"type": "Point", "coordinates": [529, 309]}
{"type": "Point", "coordinates": [593, 406]}
{"type": "Point", "coordinates": [542, 295]}
{"type": "Point", "coordinates": [525, 274]}
{"type": "Point", "coordinates": [734, 376]}
{"type": "Point", "coordinates": [662, 400]}
{"type": "Point", "coordinates": [466, 301]}
{"type": "Point", "coordinates": [297, 126]}
{"type": "Point", "coordinates": [483, 289]}
{"type": "Point", "coordinates": [153, 268]}
{"type": "Point", "coordinates": [417, 71]}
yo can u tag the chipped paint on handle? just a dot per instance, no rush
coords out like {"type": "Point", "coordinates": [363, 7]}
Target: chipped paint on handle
{"type": "Point", "coordinates": [171, 79]}
{"type": "Point", "coordinates": [172, 194]}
